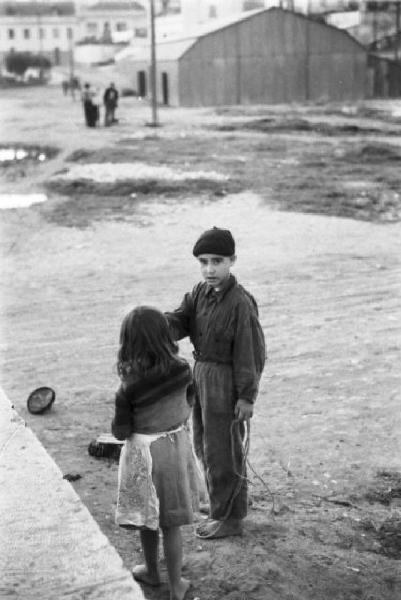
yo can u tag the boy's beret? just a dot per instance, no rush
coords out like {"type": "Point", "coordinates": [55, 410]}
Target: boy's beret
{"type": "Point", "coordinates": [215, 241]}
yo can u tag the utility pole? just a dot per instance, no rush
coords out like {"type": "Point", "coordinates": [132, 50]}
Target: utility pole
{"type": "Point", "coordinates": [40, 38]}
{"type": "Point", "coordinates": [375, 23]}
{"type": "Point", "coordinates": [153, 77]}
{"type": "Point", "coordinates": [307, 51]}
{"type": "Point", "coordinates": [397, 30]}
{"type": "Point", "coordinates": [71, 61]}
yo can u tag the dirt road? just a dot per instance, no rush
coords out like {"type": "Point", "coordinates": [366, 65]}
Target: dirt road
{"type": "Point", "coordinates": [325, 436]}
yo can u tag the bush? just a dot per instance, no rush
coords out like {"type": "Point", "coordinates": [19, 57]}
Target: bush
{"type": "Point", "coordinates": [19, 62]}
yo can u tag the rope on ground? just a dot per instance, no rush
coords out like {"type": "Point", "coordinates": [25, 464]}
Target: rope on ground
{"type": "Point", "coordinates": [244, 442]}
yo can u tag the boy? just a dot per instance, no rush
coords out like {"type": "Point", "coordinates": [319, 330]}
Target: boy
{"type": "Point", "coordinates": [221, 319]}
{"type": "Point", "coordinates": [110, 100]}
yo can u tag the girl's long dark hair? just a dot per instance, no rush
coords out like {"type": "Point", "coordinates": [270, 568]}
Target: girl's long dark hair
{"type": "Point", "coordinates": [145, 343]}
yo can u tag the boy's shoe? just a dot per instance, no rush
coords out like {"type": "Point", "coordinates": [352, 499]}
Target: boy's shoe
{"type": "Point", "coordinates": [204, 507]}
{"type": "Point", "coordinates": [213, 529]}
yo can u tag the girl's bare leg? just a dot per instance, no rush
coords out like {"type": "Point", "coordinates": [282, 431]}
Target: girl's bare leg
{"type": "Point", "coordinates": [149, 572]}
{"type": "Point", "coordinates": [172, 542]}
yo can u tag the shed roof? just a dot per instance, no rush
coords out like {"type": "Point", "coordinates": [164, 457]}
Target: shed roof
{"type": "Point", "coordinates": [165, 50]}
{"type": "Point", "coordinates": [213, 25]}
{"type": "Point", "coordinates": [174, 47]}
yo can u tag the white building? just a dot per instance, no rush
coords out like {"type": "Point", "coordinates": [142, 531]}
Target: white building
{"type": "Point", "coordinates": [53, 28]}
{"type": "Point", "coordinates": [112, 20]}
{"type": "Point", "coordinates": [48, 29]}
{"type": "Point", "coordinates": [198, 12]}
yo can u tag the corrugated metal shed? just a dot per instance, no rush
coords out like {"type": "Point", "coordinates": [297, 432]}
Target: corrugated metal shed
{"type": "Point", "coordinates": [265, 56]}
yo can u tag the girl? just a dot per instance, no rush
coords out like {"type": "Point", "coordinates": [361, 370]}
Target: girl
{"type": "Point", "coordinates": [157, 479]}
{"type": "Point", "coordinates": [91, 109]}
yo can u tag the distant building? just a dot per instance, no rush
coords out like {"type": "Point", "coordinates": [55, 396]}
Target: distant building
{"type": "Point", "coordinates": [107, 26]}
{"type": "Point", "coordinates": [38, 27]}
{"type": "Point", "coordinates": [388, 46]}
{"type": "Point", "coordinates": [112, 21]}
{"type": "Point", "coordinates": [260, 57]}
{"type": "Point", "coordinates": [344, 20]}
{"type": "Point", "coordinates": [369, 20]}
{"type": "Point", "coordinates": [166, 7]}
{"type": "Point", "coordinates": [200, 11]}
{"type": "Point", "coordinates": [52, 29]}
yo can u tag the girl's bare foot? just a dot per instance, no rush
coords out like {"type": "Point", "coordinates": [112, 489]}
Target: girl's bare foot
{"type": "Point", "coordinates": [140, 573]}
{"type": "Point", "coordinates": [179, 591]}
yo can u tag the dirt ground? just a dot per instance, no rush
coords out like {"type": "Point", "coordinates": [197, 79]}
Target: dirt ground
{"type": "Point", "coordinates": [312, 195]}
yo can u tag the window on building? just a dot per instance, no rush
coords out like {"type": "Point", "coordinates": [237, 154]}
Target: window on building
{"type": "Point", "coordinates": [141, 80]}
{"type": "Point", "coordinates": [70, 33]}
{"type": "Point", "coordinates": [212, 11]}
{"type": "Point", "coordinates": [252, 4]}
{"type": "Point", "coordinates": [56, 32]}
{"type": "Point", "coordinates": [42, 33]}
{"type": "Point", "coordinates": [121, 26]}
{"type": "Point", "coordinates": [11, 34]}
{"type": "Point", "coordinates": [56, 56]}
{"type": "Point", "coordinates": [106, 35]}
{"type": "Point", "coordinates": [91, 28]}
{"type": "Point", "coordinates": [165, 88]}
{"type": "Point", "coordinates": [27, 34]}
{"type": "Point", "coordinates": [141, 32]}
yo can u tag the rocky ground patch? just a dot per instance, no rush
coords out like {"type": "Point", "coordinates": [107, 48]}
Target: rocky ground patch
{"type": "Point", "coordinates": [325, 436]}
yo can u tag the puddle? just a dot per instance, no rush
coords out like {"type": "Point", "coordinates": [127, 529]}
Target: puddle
{"type": "Point", "coordinates": [15, 153]}
{"type": "Point", "coordinates": [20, 200]}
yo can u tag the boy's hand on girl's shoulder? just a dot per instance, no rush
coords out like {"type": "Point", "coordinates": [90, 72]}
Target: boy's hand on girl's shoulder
{"type": "Point", "coordinates": [243, 410]}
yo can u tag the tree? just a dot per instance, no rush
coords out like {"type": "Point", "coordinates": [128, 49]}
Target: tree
{"type": "Point", "coordinates": [19, 62]}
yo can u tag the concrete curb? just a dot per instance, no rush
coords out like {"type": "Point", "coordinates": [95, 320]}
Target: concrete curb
{"type": "Point", "coordinates": [50, 546]}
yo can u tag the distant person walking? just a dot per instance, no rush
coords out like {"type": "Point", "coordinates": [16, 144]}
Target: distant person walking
{"type": "Point", "coordinates": [91, 110]}
{"type": "Point", "coordinates": [110, 101]}
{"type": "Point", "coordinates": [74, 85]}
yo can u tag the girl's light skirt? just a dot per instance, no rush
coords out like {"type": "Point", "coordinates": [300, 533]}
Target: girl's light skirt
{"type": "Point", "coordinates": [159, 480]}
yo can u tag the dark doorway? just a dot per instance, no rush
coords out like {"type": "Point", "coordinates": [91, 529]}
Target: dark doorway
{"type": "Point", "coordinates": [141, 84]}
{"type": "Point", "coordinates": [165, 88]}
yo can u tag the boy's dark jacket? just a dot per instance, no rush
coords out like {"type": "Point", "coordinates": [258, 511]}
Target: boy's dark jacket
{"type": "Point", "coordinates": [110, 96]}
{"type": "Point", "coordinates": [224, 327]}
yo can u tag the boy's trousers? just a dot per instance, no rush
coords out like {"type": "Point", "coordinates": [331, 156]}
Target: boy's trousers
{"type": "Point", "coordinates": [213, 415]}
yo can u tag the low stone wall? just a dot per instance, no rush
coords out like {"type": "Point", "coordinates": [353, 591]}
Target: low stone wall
{"type": "Point", "coordinates": [51, 548]}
